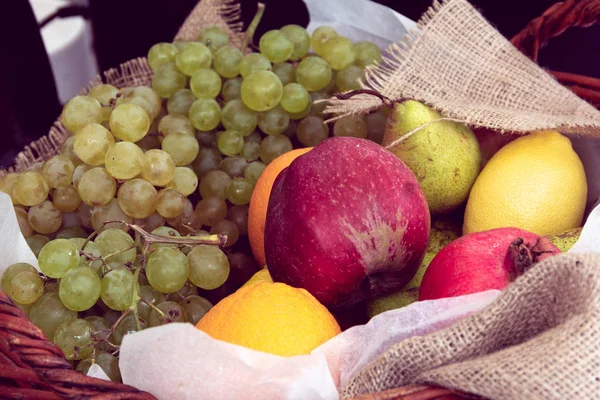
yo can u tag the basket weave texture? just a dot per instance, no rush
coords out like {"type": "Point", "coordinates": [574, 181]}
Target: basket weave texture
{"type": "Point", "coordinates": [31, 367]}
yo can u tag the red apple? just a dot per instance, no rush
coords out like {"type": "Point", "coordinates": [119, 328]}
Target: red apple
{"type": "Point", "coordinates": [346, 221]}
{"type": "Point", "coordinates": [482, 261]}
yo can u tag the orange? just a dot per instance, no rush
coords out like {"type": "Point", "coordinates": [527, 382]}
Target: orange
{"type": "Point", "coordinates": [257, 213]}
{"type": "Point", "coordinates": [271, 317]}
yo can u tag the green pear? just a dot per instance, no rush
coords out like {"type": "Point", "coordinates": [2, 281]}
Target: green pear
{"type": "Point", "coordinates": [444, 229]}
{"type": "Point", "coordinates": [565, 240]}
{"type": "Point", "coordinates": [444, 156]}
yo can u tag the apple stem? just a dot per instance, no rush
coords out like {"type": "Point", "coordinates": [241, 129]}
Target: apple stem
{"type": "Point", "coordinates": [524, 256]}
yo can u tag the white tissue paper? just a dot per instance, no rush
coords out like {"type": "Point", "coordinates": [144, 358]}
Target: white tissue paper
{"type": "Point", "coordinates": [177, 361]}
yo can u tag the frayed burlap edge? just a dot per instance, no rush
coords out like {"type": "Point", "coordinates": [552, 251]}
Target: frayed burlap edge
{"type": "Point", "coordinates": [459, 64]}
{"type": "Point", "coordinates": [136, 72]}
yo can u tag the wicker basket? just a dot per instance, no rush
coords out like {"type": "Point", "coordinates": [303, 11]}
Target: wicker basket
{"type": "Point", "coordinates": [31, 367]}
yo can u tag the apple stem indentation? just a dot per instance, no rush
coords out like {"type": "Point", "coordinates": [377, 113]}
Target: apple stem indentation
{"type": "Point", "coordinates": [524, 256]}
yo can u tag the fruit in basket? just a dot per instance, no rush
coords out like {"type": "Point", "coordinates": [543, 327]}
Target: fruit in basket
{"type": "Point", "coordinates": [444, 156]}
{"type": "Point", "coordinates": [536, 182]}
{"type": "Point", "coordinates": [346, 221]}
{"type": "Point", "coordinates": [483, 261]}
{"type": "Point", "coordinates": [444, 230]}
{"type": "Point", "coordinates": [257, 213]}
{"type": "Point", "coordinates": [271, 317]}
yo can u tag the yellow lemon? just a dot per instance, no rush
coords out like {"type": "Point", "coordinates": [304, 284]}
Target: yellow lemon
{"type": "Point", "coordinates": [261, 276]}
{"type": "Point", "coordinates": [536, 182]}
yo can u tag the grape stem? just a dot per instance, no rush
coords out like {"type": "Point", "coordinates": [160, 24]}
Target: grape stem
{"type": "Point", "coordinates": [152, 306]}
{"type": "Point", "coordinates": [260, 9]}
{"type": "Point", "coordinates": [135, 298]}
{"type": "Point", "coordinates": [114, 326]}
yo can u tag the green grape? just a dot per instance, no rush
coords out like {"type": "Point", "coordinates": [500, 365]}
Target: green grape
{"type": "Point", "coordinates": [232, 89]}
{"type": "Point", "coordinates": [166, 231]}
{"type": "Point", "coordinates": [276, 46]}
{"type": "Point", "coordinates": [205, 139]}
{"type": "Point", "coordinates": [254, 62]}
{"type": "Point", "coordinates": [320, 36]}
{"type": "Point", "coordinates": [317, 107]}
{"type": "Point", "coordinates": [167, 80]}
{"type": "Point", "coordinates": [188, 289]}
{"type": "Point", "coordinates": [109, 212]}
{"type": "Point", "coordinates": [91, 250]}
{"type": "Point", "coordinates": [182, 148]}
{"type": "Point", "coordinates": [272, 147]}
{"type": "Point", "coordinates": [100, 328]}
{"type": "Point", "coordinates": [137, 198]}
{"type": "Point", "coordinates": [352, 125]}
{"type": "Point", "coordinates": [124, 160]}
{"type": "Point", "coordinates": [213, 37]}
{"type": "Point", "coordinates": [376, 124]}
{"type": "Point", "coordinates": [160, 54]}
{"type": "Point", "coordinates": [79, 288]}
{"type": "Point", "coordinates": [227, 61]}
{"type": "Point", "coordinates": [185, 220]}
{"type": "Point", "coordinates": [251, 151]}
{"type": "Point", "coordinates": [115, 241]}
{"type": "Point", "coordinates": [106, 361]}
{"type": "Point", "coordinates": [58, 171]}
{"type": "Point", "coordinates": [254, 170]}
{"type": "Point", "coordinates": [23, 221]}
{"type": "Point", "coordinates": [150, 223]}
{"type": "Point", "coordinates": [205, 83]}
{"type": "Point", "coordinates": [349, 78]}
{"type": "Point", "coordinates": [295, 98]}
{"type": "Point", "coordinates": [236, 116]}
{"type": "Point", "coordinates": [239, 191]}
{"type": "Point", "coordinates": [153, 297]}
{"type": "Point", "coordinates": [74, 338]}
{"type": "Point", "coordinates": [300, 115]}
{"type": "Point", "coordinates": [36, 242]}
{"type": "Point", "coordinates": [231, 143]}
{"type": "Point", "coordinates": [12, 271]}
{"type": "Point", "coordinates": [106, 95]}
{"type": "Point", "coordinates": [129, 122]}
{"type": "Point", "coordinates": [239, 216]}
{"type": "Point", "coordinates": [91, 144]}
{"type": "Point", "coordinates": [234, 165]}
{"type": "Point", "coordinates": [117, 289]}
{"type": "Point", "coordinates": [44, 218]}
{"type": "Point", "coordinates": [313, 73]}
{"type": "Point", "coordinates": [125, 327]}
{"type": "Point", "coordinates": [208, 159]}
{"type": "Point", "coordinates": [331, 87]}
{"type": "Point", "coordinates": [67, 150]}
{"type": "Point", "coordinates": [261, 90]}
{"type": "Point", "coordinates": [7, 182]}
{"type": "Point", "coordinates": [209, 267]}
{"type": "Point", "coordinates": [338, 52]}
{"type": "Point", "coordinates": [366, 53]}
{"type": "Point", "coordinates": [195, 307]}
{"type": "Point", "coordinates": [172, 312]}
{"type": "Point", "coordinates": [210, 210]}
{"type": "Point", "coordinates": [169, 203]}
{"type": "Point", "coordinates": [30, 188]}
{"type": "Point", "coordinates": [286, 72]}
{"type": "Point", "coordinates": [180, 102]}
{"type": "Point", "coordinates": [180, 44]}
{"type": "Point", "coordinates": [143, 96]}
{"type": "Point", "coordinates": [66, 198]}
{"type": "Point", "coordinates": [228, 229]}
{"type": "Point", "coordinates": [312, 131]}
{"type": "Point", "coordinates": [184, 180]}
{"type": "Point", "coordinates": [79, 171]}
{"type": "Point", "coordinates": [84, 212]}
{"type": "Point", "coordinates": [48, 313]}
{"type": "Point", "coordinates": [300, 38]}
{"type": "Point", "coordinates": [192, 57]}
{"type": "Point", "coordinates": [71, 232]}
{"type": "Point", "coordinates": [57, 257]}
{"type": "Point", "coordinates": [273, 121]}
{"type": "Point", "coordinates": [214, 183]}
{"type": "Point", "coordinates": [97, 187]}
{"type": "Point", "coordinates": [80, 111]}
{"type": "Point", "coordinates": [158, 167]}
{"type": "Point", "coordinates": [205, 114]}
{"type": "Point", "coordinates": [149, 142]}
{"type": "Point", "coordinates": [167, 269]}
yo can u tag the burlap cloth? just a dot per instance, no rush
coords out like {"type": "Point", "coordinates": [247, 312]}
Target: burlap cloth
{"type": "Point", "coordinates": [461, 65]}
{"type": "Point", "coordinates": [539, 340]}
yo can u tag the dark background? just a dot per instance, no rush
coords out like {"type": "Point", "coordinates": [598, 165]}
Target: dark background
{"type": "Point", "coordinates": [124, 29]}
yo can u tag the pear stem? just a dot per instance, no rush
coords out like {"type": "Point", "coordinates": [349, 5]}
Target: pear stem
{"type": "Point", "coordinates": [385, 100]}
{"type": "Point", "coordinates": [417, 129]}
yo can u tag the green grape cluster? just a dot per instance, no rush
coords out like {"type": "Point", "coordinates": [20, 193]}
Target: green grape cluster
{"type": "Point", "coordinates": [179, 158]}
